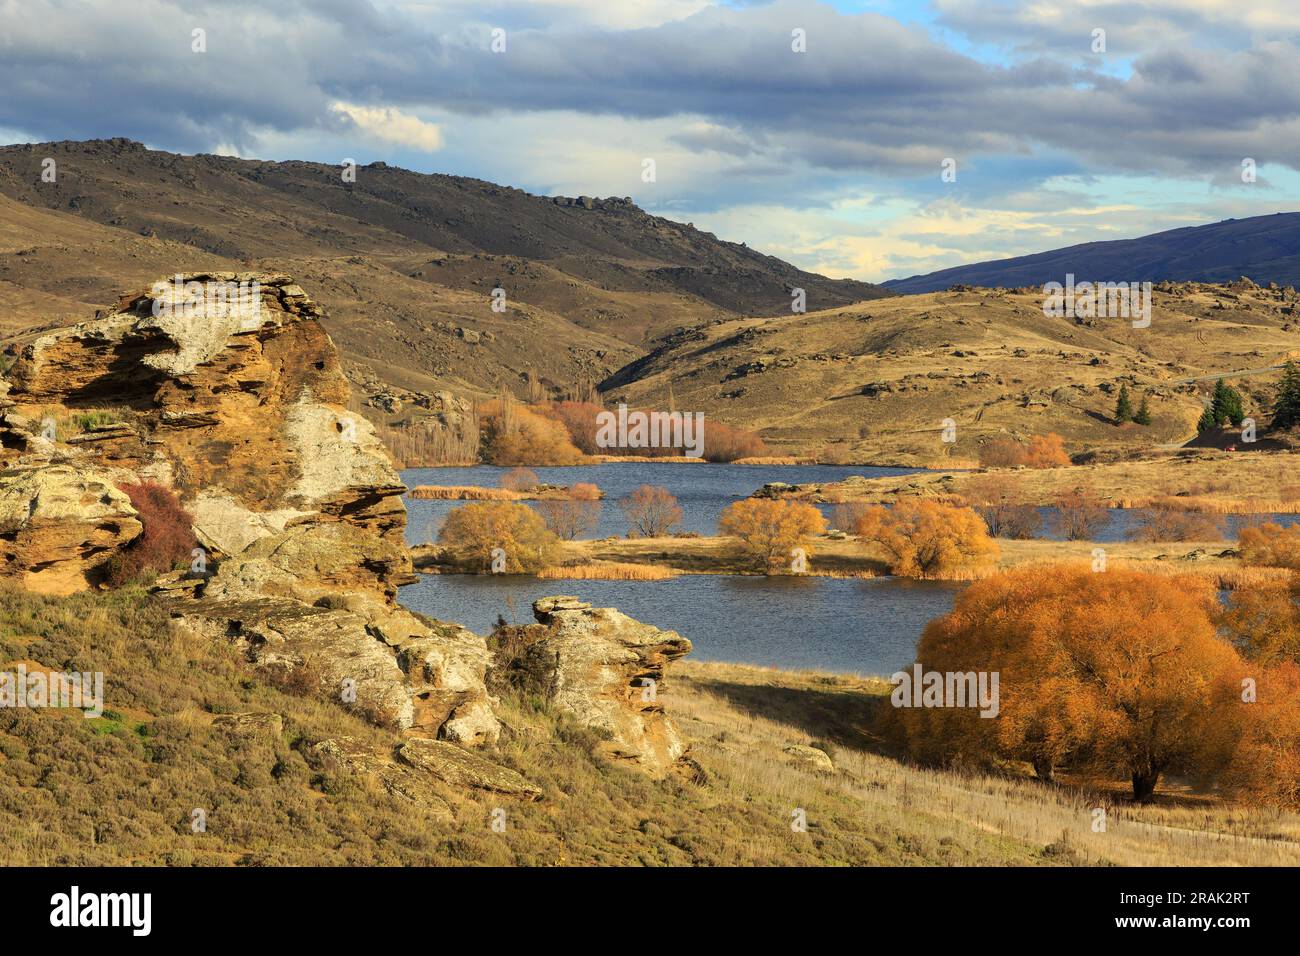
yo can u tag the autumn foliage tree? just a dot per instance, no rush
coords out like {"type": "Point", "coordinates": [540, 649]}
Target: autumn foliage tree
{"type": "Point", "coordinates": [924, 539]}
{"type": "Point", "coordinates": [1271, 546]}
{"type": "Point", "coordinates": [1116, 673]}
{"type": "Point", "coordinates": [651, 511]}
{"type": "Point", "coordinates": [574, 515]}
{"type": "Point", "coordinates": [514, 434]}
{"type": "Point", "coordinates": [471, 533]}
{"type": "Point", "coordinates": [770, 529]}
{"type": "Point", "coordinates": [1041, 451]}
{"type": "Point", "coordinates": [1264, 625]}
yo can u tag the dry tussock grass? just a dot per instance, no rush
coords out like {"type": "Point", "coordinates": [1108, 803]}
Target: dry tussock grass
{"type": "Point", "coordinates": [465, 493]}
{"type": "Point", "coordinates": [742, 718]}
{"type": "Point", "coordinates": [609, 571]}
{"type": "Point", "coordinates": [1217, 505]}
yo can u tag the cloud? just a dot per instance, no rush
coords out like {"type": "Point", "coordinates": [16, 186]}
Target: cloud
{"type": "Point", "coordinates": [737, 122]}
{"type": "Point", "coordinates": [393, 126]}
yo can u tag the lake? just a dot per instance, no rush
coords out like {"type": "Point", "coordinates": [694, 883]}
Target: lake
{"type": "Point", "coordinates": [842, 625]}
{"type": "Point", "coordinates": [850, 626]}
{"type": "Point", "coordinates": [701, 490]}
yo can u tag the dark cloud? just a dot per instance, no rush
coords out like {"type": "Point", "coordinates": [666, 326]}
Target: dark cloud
{"type": "Point", "coordinates": [870, 94]}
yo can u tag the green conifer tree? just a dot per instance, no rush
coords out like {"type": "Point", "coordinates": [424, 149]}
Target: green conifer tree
{"type": "Point", "coordinates": [1123, 407]}
{"type": "Point", "coordinates": [1286, 407]}
{"type": "Point", "coordinates": [1143, 414]}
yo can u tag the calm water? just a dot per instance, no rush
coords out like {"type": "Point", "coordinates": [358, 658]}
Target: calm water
{"type": "Point", "coordinates": [701, 490]}
{"type": "Point", "coordinates": [842, 625]}
{"type": "Point", "coordinates": [849, 626]}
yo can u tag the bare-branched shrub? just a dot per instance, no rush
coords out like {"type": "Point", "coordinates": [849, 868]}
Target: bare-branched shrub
{"type": "Point", "coordinates": [651, 511]}
{"type": "Point", "coordinates": [1081, 515]}
{"type": "Point", "coordinates": [1159, 523]}
{"type": "Point", "coordinates": [574, 515]}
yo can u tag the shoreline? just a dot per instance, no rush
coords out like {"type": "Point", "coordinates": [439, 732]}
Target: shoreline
{"type": "Point", "coordinates": [848, 558]}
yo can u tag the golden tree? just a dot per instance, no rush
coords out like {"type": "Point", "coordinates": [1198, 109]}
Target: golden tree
{"type": "Point", "coordinates": [1116, 672]}
{"type": "Point", "coordinates": [769, 530]}
{"type": "Point", "coordinates": [1271, 545]}
{"type": "Point", "coordinates": [472, 535]}
{"type": "Point", "coordinates": [925, 539]}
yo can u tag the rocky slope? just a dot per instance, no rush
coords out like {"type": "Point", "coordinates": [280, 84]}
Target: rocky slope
{"type": "Point", "coordinates": [226, 389]}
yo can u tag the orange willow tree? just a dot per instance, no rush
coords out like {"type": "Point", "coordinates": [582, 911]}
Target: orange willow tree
{"type": "Point", "coordinates": [1264, 623]}
{"type": "Point", "coordinates": [1115, 673]}
{"type": "Point", "coordinates": [770, 530]}
{"type": "Point", "coordinates": [473, 534]}
{"type": "Point", "coordinates": [925, 539]}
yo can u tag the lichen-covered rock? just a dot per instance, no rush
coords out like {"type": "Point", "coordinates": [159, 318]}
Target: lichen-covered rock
{"type": "Point", "coordinates": [351, 756]}
{"type": "Point", "coordinates": [446, 670]}
{"type": "Point", "coordinates": [238, 401]}
{"type": "Point", "coordinates": [226, 388]}
{"type": "Point", "coordinates": [58, 524]}
{"type": "Point", "coordinates": [605, 670]}
{"type": "Point", "coordinates": [810, 758]}
{"type": "Point", "coordinates": [296, 643]}
{"type": "Point", "coordinates": [464, 768]}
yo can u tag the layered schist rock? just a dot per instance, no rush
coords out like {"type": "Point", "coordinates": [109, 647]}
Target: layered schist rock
{"type": "Point", "coordinates": [226, 388]}
{"type": "Point", "coordinates": [58, 524]}
{"type": "Point", "coordinates": [606, 671]}
{"type": "Point", "coordinates": [235, 399]}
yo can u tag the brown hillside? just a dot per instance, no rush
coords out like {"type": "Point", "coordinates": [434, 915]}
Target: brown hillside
{"type": "Point", "coordinates": [874, 381]}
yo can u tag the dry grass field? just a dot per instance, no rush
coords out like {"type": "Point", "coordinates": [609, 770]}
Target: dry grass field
{"type": "Point", "coordinates": [120, 789]}
{"type": "Point", "coordinates": [1219, 482]}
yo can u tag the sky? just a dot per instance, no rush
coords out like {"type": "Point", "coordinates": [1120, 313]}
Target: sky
{"type": "Point", "coordinates": [816, 132]}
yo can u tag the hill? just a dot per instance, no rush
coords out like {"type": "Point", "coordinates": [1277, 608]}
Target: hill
{"type": "Point", "coordinates": [873, 382]}
{"type": "Point", "coordinates": [404, 263]}
{"type": "Point", "coordinates": [190, 728]}
{"type": "Point", "coordinates": [1263, 248]}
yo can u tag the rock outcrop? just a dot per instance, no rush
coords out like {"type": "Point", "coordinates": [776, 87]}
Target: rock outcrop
{"type": "Point", "coordinates": [226, 388]}
{"type": "Point", "coordinates": [606, 671]}
{"type": "Point", "coordinates": [234, 398]}
{"type": "Point", "coordinates": [58, 523]}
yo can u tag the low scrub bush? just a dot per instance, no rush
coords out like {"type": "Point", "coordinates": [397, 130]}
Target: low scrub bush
{"type": "Point", "coordinates": [167, 539]}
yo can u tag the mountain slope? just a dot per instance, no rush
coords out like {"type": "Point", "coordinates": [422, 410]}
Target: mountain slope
{"type": "Point", "coordinates": [1263, 248]}
{"type": "Point", "coordinates": [873, 382]}
{"type": "Point", "coordinates": [404, 262]}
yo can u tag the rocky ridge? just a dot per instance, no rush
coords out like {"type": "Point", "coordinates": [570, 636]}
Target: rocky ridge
{"type": "Point", "coordinates": [237, 403]}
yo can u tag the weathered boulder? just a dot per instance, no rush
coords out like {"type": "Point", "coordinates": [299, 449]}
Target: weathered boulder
{"type": "Point", "coordinates": [250, 724]}
{"type": "Point", "coordinates": [58, 524]}
{"type": "Point", "coordinates": [356, 758]}
{"type": "Point", "coordinates": [464, 768]}
{"type": "Point", "coordinates": [606, 671]}
{"type": "Point", "coordinates": [810, 758]}
{"type": "Point", "coordinates": [322, 649]}
{"type": "Point", "coordinates": [446, 668]}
